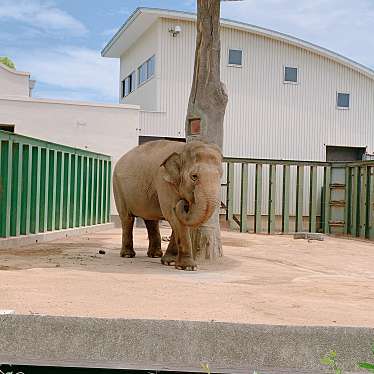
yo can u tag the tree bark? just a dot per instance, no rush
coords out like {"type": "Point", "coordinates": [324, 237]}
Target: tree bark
{"type": "Point", "coordinates": [207, 105]}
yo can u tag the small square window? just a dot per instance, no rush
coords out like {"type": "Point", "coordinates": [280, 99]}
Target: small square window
{"type": "Point", "coordinates": [342, 100]}
{"type": "Point", "coordinates": [290, 74]}
{"type": "Point", "coordinates": [235, 57]}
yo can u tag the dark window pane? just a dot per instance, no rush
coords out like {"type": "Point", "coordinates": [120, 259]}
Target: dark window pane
{"type": "Point", "coordinates": [132, 81]}
{"type": "Point", "coordinates": [151, 67]}
{"type": "Point", "coordinates": [290, 74]}
{"type": "Point", "coordinates": [235, 57]}
{"type": "Point", "coordinates": [123, 88]}
{"type": "Point", "coordinates": [142, 73]}
{"type": "Point", "coordinates": [343, 100]}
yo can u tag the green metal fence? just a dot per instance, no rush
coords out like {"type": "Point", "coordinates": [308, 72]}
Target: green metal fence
{"type": "Point", "coordinates": [328, 197]}
{"type": "Point", "coordinates": [46, 186]}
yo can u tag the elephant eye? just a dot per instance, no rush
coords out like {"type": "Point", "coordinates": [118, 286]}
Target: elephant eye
{"type": "Point", "coordinates": [194, 177]}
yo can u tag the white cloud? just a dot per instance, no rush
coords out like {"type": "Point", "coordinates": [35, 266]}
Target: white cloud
{"type": "Point", "coordinates": [78, 73]}
{"type": "Point", "coordinates": [41, 15]}
{"type": "Point", "coordinates": [344, 26]}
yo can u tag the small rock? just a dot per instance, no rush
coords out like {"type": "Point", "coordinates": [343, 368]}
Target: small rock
{"type": "Point", "coordinates": [309, 236]}
{"type": "Point", "coordinates": [101, 252]}
{"type": "Point", "coordinates": [58, 265]}
{"type": "Point", "coordinates": [165, 238]}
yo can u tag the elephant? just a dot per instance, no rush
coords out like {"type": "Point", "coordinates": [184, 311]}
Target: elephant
{"type": "Point", "coordinates": [178, 182]}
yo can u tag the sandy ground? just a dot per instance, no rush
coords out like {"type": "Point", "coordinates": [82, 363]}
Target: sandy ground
{"type": "Point", "coordinates": [262, 279]}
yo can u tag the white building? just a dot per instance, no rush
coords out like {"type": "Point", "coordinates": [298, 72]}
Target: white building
{"type": "Point", "coordinates": [288, 99]}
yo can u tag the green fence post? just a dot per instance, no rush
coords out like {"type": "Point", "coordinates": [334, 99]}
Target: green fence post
{"type": "Point", "coordinates": [80, 187]}
{"type": "Point", "coordinates": [35, 190]}
{"type": "Point", "coordinates": [89, 196]}
{"type": "Point", "coordinates": [348, 200]}
{"type": "Point", "coordinates": [100, 205]}
{"type": "Point", "coordinates": [230, 197]}
{"type": "Point", "coordinates": [363, 201]}
{"type": "Point", "coordinates": [66, 191]}
{"type": "Point", "coordinates": [73, 190]}
{"type": "Point", "coordinates": [313, 199]}
{"type": "Point", "coordinates": [326, 199]}
{"type": "Point", "coordinates": [272, 195]}
{"type": "Point", "coordinates": [52, 190]}
{"type": "Point", "coordinates": [354, 202]}
{"type": "Point", "coordinates": [94, 189]}
{"type": "Point", "coordinates": [286, 200]}
{"type": "Point", "coordinates": [109, 190]}
{"type": "Point", "coordinates": [15, 217]}
{"type": "Point", "coordinates": [244, 198]}
{"type": "Point", "coordinates": [6, 186]}
{"type": "Point", "coordinates": [258, 199]}
{"type": "Point", "coordinates": [370, 204]}
{"type": "Point", "coordinates": [299, 198]}
{"type": "Point", "coordinates": [26, 189]}
{"type": "Point", "coordinates": [44, 191]}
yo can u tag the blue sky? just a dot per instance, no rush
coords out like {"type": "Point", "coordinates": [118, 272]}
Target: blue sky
{"type": "Point", "coordinates": [59, 41]}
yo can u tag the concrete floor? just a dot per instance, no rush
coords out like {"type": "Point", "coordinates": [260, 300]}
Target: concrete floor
{"type": "Point", "coordinates": [261, 280]}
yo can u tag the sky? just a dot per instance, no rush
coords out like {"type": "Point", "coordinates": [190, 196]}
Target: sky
{"type": "Point", "coordinates": [59, 41]}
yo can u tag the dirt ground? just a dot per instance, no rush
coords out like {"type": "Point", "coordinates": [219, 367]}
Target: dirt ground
{"type": "Point", "coordinates": [262, 279]}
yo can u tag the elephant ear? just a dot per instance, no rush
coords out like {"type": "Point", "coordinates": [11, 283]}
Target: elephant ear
{"type": "Point", "coordinates": [172, 166]}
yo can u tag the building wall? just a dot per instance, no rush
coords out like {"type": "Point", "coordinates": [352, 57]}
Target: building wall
{"type": "Point", "coordinates": [13, 82]}
{"type": "Point", "coordinates": [266, 117]}
{"type": "Point", "coordinates": [147, 95]}
{"type": "Point", "coordinates": [109, 129]}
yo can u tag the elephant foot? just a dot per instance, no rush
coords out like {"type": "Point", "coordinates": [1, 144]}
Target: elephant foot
{"type": "Point", "coordinates": [185, 263]}
{"type": "Point", "coordinates": [127, 253]}
{"type": "Point", "coordinates": [157, 252]}
{"type": "Point", "coordinates": [168, 259]}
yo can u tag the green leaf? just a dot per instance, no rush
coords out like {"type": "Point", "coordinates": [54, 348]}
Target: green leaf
{"type": "Point", "coordinates": [7, 62]}
{"type": "Point", "coordinates": [367, 366]}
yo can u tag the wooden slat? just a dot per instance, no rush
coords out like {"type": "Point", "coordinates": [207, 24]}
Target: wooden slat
{"type": "Point", "coordinates": [244, 198]}
{"type": "Point", "coordinates": [286, 199]}
{"type": "Point", "coordinates": [230, 196]}
{"type": "Point", "coordinates": [326, 199]}
{"type": "Point", "coordinates": [258, 198]}
{"type": "Point", "coordinates": [313, 199]}
{"type": "Point", "coordinates": [363, 201]}
{"type": "Point", "coordinates": [348, 199]}
{"type": "Point", "coordinates": [15, 217]}
{"type": "Point", "coordinates": [299, 198]}
{"type": "Point", "coordinates": [26, 189]}
{"type": "Point", "coordinates": [370, 204]}
{"type": "Point", "coordinates": [272, 200]}
{"type": "Point", "coordinates": [354, 202]}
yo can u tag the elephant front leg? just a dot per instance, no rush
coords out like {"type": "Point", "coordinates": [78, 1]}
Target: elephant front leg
{"type": "Point", "coordinates": [184, 260]}
{"type": "Point", "coordinates": [171, 253]}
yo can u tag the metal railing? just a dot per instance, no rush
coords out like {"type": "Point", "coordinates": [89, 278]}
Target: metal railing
{"type": "Point", "coordinates": [46, 186]}
{"type": "Point", "coordinates": [328, 197]}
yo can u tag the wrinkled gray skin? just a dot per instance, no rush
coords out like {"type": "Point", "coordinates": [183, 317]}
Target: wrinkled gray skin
{"type": "Point", "coordinates": [167, 180]}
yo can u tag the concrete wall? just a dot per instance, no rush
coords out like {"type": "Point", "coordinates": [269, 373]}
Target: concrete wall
{"type": "Point", "coordinates": [14, 83]}
{"type": "Point", "coordinates": [109, 129]}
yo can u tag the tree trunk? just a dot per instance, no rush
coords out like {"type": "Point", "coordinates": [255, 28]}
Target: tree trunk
{"type": "Point", "coordinates": [206, 111]}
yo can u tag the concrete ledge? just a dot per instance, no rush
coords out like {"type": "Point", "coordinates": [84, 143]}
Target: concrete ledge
{"type": "Point", "coordinates": [18, 241]}
{"type": "Point", "coordinates": [121, 343]}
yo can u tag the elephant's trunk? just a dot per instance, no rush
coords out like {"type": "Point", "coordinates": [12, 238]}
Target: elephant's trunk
{"type": "Point", "coordinates": [194, 215]}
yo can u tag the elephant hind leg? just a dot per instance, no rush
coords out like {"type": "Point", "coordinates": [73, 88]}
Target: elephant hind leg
{"type": "Point", "coordinates": [154, 237]}
{"type": "Point", "coordinates": [127, 242]}
{"type": "Point", "coordinates": [171, 253]}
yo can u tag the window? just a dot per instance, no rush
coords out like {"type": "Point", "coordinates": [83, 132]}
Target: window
{"type": "Point", "coordinates": [342, 100]}
{"type": "Point", "coordinates": [9, 128]}
{"type": "Point", "coordinates": [235, 57]}
{"type": "Point", "coordinates": [290, 74]}
{"type": "Point", "coordinates": [146, 70]}
{"type": "Point", "coordinates": [128, 84]}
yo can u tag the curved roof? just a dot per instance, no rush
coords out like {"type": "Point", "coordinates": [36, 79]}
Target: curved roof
{"type": "Point", "coordinates": [142, 18]}
{"type": "Point", "coordinates": [13, 71]}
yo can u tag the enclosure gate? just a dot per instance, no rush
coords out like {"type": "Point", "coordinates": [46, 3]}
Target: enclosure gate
{"type": "Point", "coordinates": [344, 196]}
{"type": "Point", "coordinates": [46, 186]}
